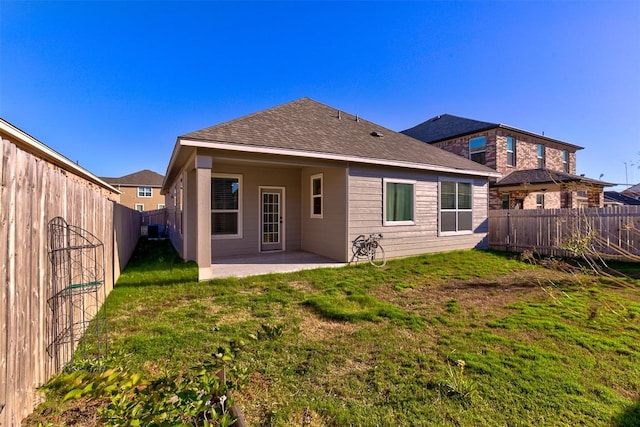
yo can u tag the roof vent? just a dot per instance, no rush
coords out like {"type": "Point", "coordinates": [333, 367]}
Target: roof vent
{"type": "Point", "coordinates": [376, 134]}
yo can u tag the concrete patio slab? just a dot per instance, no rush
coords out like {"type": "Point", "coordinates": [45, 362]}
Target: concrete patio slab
{"type": "Point", "coordinates": [276, 262]}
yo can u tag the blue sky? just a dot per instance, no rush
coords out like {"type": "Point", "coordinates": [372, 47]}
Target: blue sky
{"type": "Point", "coordinates": [112, 84]}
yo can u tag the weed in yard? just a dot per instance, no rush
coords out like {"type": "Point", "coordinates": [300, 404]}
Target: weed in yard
{"type": "Point", "coordinates": [268, 332]}
{"type": "Point", "coordinates": [197, 398]}
{"type": "Point", "coordinates": [458, 386]}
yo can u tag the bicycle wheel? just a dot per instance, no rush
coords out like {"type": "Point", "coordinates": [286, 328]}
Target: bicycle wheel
{"type": "Point", "coordinates": [376, 255]}
{"type": "Point", "coordinates": [358, 247]}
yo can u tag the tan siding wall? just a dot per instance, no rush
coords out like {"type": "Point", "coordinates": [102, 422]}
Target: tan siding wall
{"type": "Point", "coordinates": [325, 236]}
{"type": "Point", "coordinates": [129, 198]}
{"type": "Point", "coordinates": [366, 214]}
{"type": "Point", "coordinates": [252, 178]}
{"type": "Point", "coordinates": [174, 200]}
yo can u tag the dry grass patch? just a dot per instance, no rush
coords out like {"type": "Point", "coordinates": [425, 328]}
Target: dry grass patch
{"type": "Point", "coordinates": [315, 328]}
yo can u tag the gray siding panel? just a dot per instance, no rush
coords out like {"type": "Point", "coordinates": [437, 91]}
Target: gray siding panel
{"type": "Point", "coordinates": [325, 236]}
{"type": "Point", "coordinates": [366, 213]}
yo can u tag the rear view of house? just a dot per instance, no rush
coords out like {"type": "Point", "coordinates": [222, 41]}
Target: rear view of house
{"type": "Point", "coordinates": [305, 176]}
{"type": "Point", "coordinates": [537, 171]}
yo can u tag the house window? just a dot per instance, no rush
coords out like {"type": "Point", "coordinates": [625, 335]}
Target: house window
{"type": "Point", "coordinates": [139, 207]}
{"type": "Point", "coordinates": [399, 197]}
{"type": "Point", "coordinates": [226, 206]}
{"type": "Point", "coordinates": [316, 196]}
{"type": "Point", "coordinates": [477, 149]}
{"type": "Point", "coordinates": [144, 191]}
{"type": "Point", "coordinates": [511, 151]}
{"type": "Point", "coordinates": [539, 201]}
{"type": "Point", "coordinates": [505, 201]}
{"type": "Point", "coordinates": [160, 205]}
{"type": "Point", "coordinates": [540, 155]}
{"type": "Point", "coordinates": [456, 207]}
{"type": "Point", "coordinates": [565, 161]}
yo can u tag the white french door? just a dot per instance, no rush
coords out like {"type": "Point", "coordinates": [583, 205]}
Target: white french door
{"type": "Point", "coordinates": [271, 219]}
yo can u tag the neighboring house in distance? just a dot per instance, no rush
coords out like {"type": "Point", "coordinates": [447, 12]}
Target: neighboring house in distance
{"type": "Point", "coordinates": [537, 171]}
{"type": "Point", "coordinates": [305, 176]}
{"type": "Point", "coordinates": [140, 190]}
{"type": "Point", "coordinates": [614, 198]}
{"type": "Point", "coordinates": [633, 192]}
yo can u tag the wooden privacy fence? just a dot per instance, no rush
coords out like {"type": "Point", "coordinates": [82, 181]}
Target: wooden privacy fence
{"type": "Point", "coordinates": [34, 191]}
{"type": "Point", "coordinates": [154, 223]}
{"type": "Point", "coordinates": [612, 232]}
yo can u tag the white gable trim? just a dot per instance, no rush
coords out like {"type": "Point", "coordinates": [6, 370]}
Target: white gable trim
{"type": "Point", "coordinates": [329, 156]}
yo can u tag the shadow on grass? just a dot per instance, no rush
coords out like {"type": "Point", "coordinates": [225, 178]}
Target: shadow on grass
{"type": "Point", "coordinates": [155, 262]}
{"type": "Point", "coordinates": [630, 417]}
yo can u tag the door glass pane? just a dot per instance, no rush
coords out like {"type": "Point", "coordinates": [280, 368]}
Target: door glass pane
{"type": "Point", "coordinates": [270, 218]}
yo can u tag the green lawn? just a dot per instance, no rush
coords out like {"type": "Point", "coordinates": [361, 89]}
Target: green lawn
{"type": "Point", "coordinates": [465, 338]}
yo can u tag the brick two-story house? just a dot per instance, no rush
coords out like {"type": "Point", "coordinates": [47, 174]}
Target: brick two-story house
{"type": "Point", "coordinates": [537, 171]}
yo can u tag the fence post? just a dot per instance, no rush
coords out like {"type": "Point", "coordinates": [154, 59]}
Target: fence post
{"type": "Point", "coordinates": [508, 230]}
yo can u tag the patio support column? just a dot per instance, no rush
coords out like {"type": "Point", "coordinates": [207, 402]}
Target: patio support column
{"type": "Point", "coordinates": [203, 165]}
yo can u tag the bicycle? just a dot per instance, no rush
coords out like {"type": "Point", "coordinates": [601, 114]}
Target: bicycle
{"type": "Point", "coordinates": [369, 248]}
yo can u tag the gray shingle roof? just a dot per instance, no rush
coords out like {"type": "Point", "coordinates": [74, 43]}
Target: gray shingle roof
{"type": "Point", "coordinates": [632, 191]}
{"type": "Point", "coordinates": [544, 176]}
{"type": "Point", "coordinates": [621, 198]}
{"type": "Point", "coordinates": [308, 126]}
{"type": "Point", "coordinates": [447, 126]}
{"type": "Point", "coordinates": [144, 177]}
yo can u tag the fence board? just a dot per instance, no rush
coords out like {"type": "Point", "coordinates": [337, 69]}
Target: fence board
{"type": "Point", "coordinates": [609, 231]}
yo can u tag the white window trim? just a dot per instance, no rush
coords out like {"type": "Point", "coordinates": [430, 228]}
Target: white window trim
{"type": "Point", "coordinates": [143, 196]}
{"type": "Point", "coordinates": [161, 206]}
{"type": "Point", "coordinates": [385, 222]}
{"type": "Point", "coordinates": [321, 196]}
{"type": "Point", "coordinates": [139, 204]}
{"type": "Point", "coordinates": [239, 210]}
{"type": "Point", "coordinates": [454, 233]}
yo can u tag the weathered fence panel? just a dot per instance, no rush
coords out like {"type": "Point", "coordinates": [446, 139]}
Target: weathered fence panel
{"type": "Point", "coordinates": [32, 192]}
{"type": "Point", "coordinates": [611, 232]}
{"type": "Point", "coordinates": [154, 223]}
